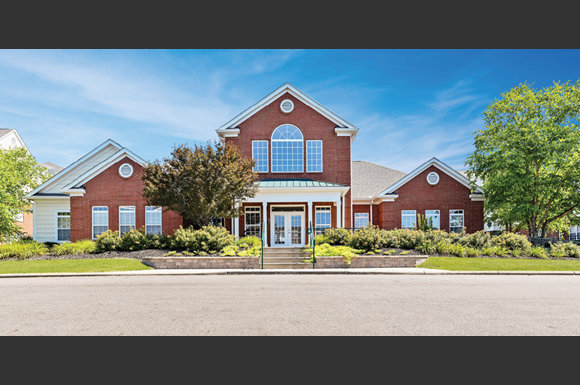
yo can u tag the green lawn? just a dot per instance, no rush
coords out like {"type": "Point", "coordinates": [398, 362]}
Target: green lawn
{"type": "Point", "coordinates": [71, 266]}
{"type": "Point", "coordinates": [497, 264]}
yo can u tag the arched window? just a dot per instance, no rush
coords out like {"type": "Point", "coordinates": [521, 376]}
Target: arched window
{"type": "Point", "coordinates": [287, 149]}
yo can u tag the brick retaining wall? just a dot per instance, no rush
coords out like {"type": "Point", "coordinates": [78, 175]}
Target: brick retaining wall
{"type": "Point", "coordinates": [202, 262]}
{"type": "Point", "coordinates": [365, 261]}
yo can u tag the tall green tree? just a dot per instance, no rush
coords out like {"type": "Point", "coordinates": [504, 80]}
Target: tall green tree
{"type": "Point", "coordinates": [201, 183]}
{"type": "Point", "coordinates": [528, 157]}
{"type": "Point", "coordinates": [19, 174]}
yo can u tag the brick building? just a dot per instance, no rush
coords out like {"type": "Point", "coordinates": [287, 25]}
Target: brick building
{"type": "Point", "coordinates": [306, 175]}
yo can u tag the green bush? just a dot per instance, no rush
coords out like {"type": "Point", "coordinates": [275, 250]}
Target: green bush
{"type": "Point", "coordinates": [230, 251]}
{"type": "Point", "coordinates": [512, 241]}
{"type": "Point", "coordinates": [366, 239]}
{"type": "Point", "coordinates": [249, 241]}
{"type": "Point", "coordinates": [427, 247]}
{"type": "Point", "coordinates": [108, 241]}
{"type": "Point", "coordinates": [327, 250]}
{"type": "Point", "coordinates": [337, 237]}
{"type": "Point", "coordinates": [85, 246]}
{"type": "Point", "coordinates": [538, 252]}
{"type": "Point", "coordinates": [500, 251]}
{"type": "Point", "coordinates": [22, 249]}
{"type": "Point", "coordinates": [134, 240]}
{"type": "Point", "coordinates": [208, 238]}
{"type": "Point", "coordinates": [564, 249]}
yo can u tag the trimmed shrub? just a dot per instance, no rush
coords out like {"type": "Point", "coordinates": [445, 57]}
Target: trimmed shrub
{"type": "Point", "coordinates": [249, 241]}
{"type": "Point", "coordinates": [337, 237]}
{"type": "Point", "coordinates": [564, 249]}
{"type": "Point", "coordinates": [208, 238]}
{"type": "Point", "coordinates": [85, 246]}
{"type": "Point", "coordinates": [512, 241]}
{"type": "Point", "coordinates": [22, 249]}
{"type": "Point", "coordinates": [134, 240]}
{"type": "Point", "coordinates": [108, 241]}
{"type": "Point", "coordinates": [538, 252]}
{"type": "Point", "coordinates": [366, 239]}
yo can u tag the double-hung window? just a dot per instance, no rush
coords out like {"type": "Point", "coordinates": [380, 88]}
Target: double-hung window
{"type": "Point", "coordinates": [253, 219]}
{"type": "Point", "coordinates": [361, 219]}
{"type": "Point", "coordinates": [260, 154]}
{"type": "Point", "coordinates": [153, 220]}
{"type": "Point", "coordinates": [287, 149]}
{"type": "Point", "coordinates": [100, 220]}
{"type": "Point", "coordinates": [455, 221]}
{"type": "Point", "coordinates": [63, 226]}
{"type": "Point", "coordinates": [435, 216]}
{"type": "Point", "coordinates": [314, 156]}
{"type": "Point", "coordinates": [322, 219]}
{"type": "Point", "coordinates": [408, 219]}
{"type": "Point", "coordinates": [126, 219]}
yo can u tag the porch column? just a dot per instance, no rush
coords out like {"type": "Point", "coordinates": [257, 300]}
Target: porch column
{"type": "Point", "coordinates": [310, 219]}
{"type": "Point", "coordinates": [338, 214]}
{"type": "Point", "coordinates": [265, 216]}
{"type": "Point", "coordinates": [237, 225]}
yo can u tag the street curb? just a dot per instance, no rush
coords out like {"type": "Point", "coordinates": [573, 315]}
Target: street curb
{"type": "Point", "coordinates": [370, 271]}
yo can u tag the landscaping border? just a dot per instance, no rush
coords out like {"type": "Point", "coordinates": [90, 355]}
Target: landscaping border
{"type": "Point", "coordinates": [202, 262]}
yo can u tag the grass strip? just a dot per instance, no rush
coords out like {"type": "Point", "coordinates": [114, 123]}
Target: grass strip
{"type": "Point", "coordinates": [499, 264]}
{"type": "Point", "coordinates": [71, 266]}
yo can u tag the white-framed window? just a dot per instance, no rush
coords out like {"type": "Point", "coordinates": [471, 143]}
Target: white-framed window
{"type": "Point", "coordinates": [456, 221]}
{"type": "Point", "coordinates": [408, 219]}
{"type": "Point", "coordinates": [287, 149]}
{"type": "Point", "coordinates": [260, 154]}
{"type": "Point", "coordinates": [322, 217]}
{"type": "Point", "coordinates": [126, 170]}
{"type": "Point", "coordinates": [435, 215]}
{"type": "Point", "coordinates": [361, 219]}
{"type": "Point", "coordinates": [253, 220]}
{"type": "Point", "coordinates": [19, 217]}
{"type": "Point", "coordinates": [153, 220]}
{"type": "Point", "coordinates": [126, 219]}
{"type": "Point", "coordinates": [100, 220]}
{"type": "Point", "coordinates": [63, 226]}
{"type": "Point", "coordinates": [314, 156]}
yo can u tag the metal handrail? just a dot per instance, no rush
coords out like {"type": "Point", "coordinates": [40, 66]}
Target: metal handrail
{"type": "Point", "coordinates": [263, 242]}
{"type": "Point", "coordinates": [312, 244]}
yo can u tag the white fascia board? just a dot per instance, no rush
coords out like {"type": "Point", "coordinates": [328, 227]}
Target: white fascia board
{"type": "Point", "coordinates": [304, 196]}
{"type": "Point", "coordinates": [102, 166]}
{"type": "Point", "coordinates": [49, 197]}
{"type": "Point", "coordinates": [432, 162]}
{"type": "Point", "coordinates": [74, 165]}
{"type": "Point", "coordinates": [77, 192]}
{"type": "Point", "coordinates": [342, 131]}
{"type": "Point", "coordinates": [476, 197]}
{"type": "Point", "coordinates": [286, 87]}
{"type": "Point", "coordinates": [228, 132]}
{"type": "Point", "coordinates": [286, 190]}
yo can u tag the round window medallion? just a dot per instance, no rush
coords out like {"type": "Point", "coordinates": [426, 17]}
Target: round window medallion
{"type": "Point", "coordinates": [287, 106]}
{"type": "Point", "coordinates": [433, 178]}
{"type": "Point", "coordinates": [126, 170]}
{"type": "Point", "coordinates": [13, 141]}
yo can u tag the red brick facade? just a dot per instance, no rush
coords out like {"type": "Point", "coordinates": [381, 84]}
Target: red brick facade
{"type": "Point", "coordinates": [314, 126]}
{"type": "Point", "coordinates": [112, 190]}
{"type": "Point", "coordinates": [417, 194]}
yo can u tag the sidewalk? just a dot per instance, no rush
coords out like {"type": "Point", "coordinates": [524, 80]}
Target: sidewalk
{"type": "Point", "coordinates": [373, 271]}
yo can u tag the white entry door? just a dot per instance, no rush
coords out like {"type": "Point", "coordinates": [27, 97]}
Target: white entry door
{"type": "Point", "coordinates": [287, 228]}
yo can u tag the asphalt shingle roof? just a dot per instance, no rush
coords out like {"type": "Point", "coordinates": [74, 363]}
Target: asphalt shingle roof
{"type": "Point", "coordinates": [5, 131]}
{"type": "Point", "coordinates": [370, 179]}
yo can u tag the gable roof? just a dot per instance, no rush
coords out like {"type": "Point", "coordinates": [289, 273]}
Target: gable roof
{"type": "Point", "coordinates": [53, 169]}
{"type": "Point", "coordinates": [6, 131]}
{"type": "Point", "coordinates": [61, 175]}
{"type": "Point", "coordinates": [370, 179]}
{"type": "Point", "coordinates": [286, 88]}
{"type": "Point", "coordinates": [431, 162]}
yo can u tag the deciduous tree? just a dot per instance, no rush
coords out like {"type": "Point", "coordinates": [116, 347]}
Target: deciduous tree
{"type": "Point", "coordinates": [201, 183]}
{"type": "Point", "coordinates": [19, 174]}
{"type": "Point", "coordinates": [528, 157]}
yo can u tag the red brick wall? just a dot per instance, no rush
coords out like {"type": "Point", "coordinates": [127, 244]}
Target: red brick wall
{"type": "Point", "coordinates": [419, 195]}
{"type": "Point", "coordinates": [27, 224]}
{"type": "Point", "coordinates": [112, 190]}
{"type": "Point", "coordinates": [314, 126]}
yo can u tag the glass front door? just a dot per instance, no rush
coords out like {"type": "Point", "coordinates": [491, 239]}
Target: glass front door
{"type": "Point", "coordinates": [287, 228]}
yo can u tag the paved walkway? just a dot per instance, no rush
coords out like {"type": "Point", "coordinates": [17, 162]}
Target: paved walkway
{"type": "Point", "coordinates": [373, 271]}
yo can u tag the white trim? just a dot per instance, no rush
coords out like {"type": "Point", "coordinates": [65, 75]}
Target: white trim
{"type": "Point", "coordinates": [267, 155]}
{"type": "Point", "coordinates": [462, 214]}
{"type": "Point", "coordinates": [303, 226]}
{"type": "Point", "coordinates": [284, 101]}
{"type": "Point", "coordinates": [361, 215]}
{"type": "Point", "coordinates": [259, 225]}
{"type": "Point", "coordinates": [435, 174]}
{"type": "Point", "coordinates": [438, 227]}
{"type": "Point", "coordinates": [285, 88]}
{"type": "Point", "coordinates": [321, 155]}
{"type": "Point", "coordinates": [408, 215]}
{"type": "Point", "coordinates": [93, 172]}
{"type": "Point", "coordinates": [34, 220]}
{"type": "Point", "coordinates": [344, 131]}
{"type": "Point", "coordinates": [286, 140]}
{"type": "Point", "coordinates": [161, 222]}
{"type": "Point", "coordinates": [72, 166]}
{"type": "Point", "coordinates": [477, 197]}
{"type": "Point", "coordinates": [130, 174]}
{"type": "Point", "coordinates": [432, 162]}
{"type": "Point", "coordinates": [50, 197]}
{"type": "Point", "coordinates": [228, 132]}
{"type": "Point", "coordinates": [93, 221]}
{"type": "Point", "coordinates": [134, 226]}
{"type": "Point", "coordinates": [315, 223]}
{"type": "Point", "coordinates": [56, 224]}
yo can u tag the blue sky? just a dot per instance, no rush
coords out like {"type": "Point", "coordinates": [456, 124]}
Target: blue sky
{"type": "Point", "coordinates": [410, 105]}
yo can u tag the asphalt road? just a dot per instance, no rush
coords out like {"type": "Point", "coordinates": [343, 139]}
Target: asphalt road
{"type": "Point", "coordinates": [291, 305]}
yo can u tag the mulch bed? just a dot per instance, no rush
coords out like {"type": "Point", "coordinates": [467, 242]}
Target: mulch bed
{"type": "Point", "coordinates": [417, 252]}
{"type": "Point", "coordinates": [107, 254]}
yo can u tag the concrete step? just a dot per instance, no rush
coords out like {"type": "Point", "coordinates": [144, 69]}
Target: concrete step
{"type": "Point", "coordinates": [283, 250]}
{"type": "Point", "coordinates": [288, 255]}
{"type": "Point", "coordinates": [287, 265]}
{"type": "Point", "coordinates": [284, 259]}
